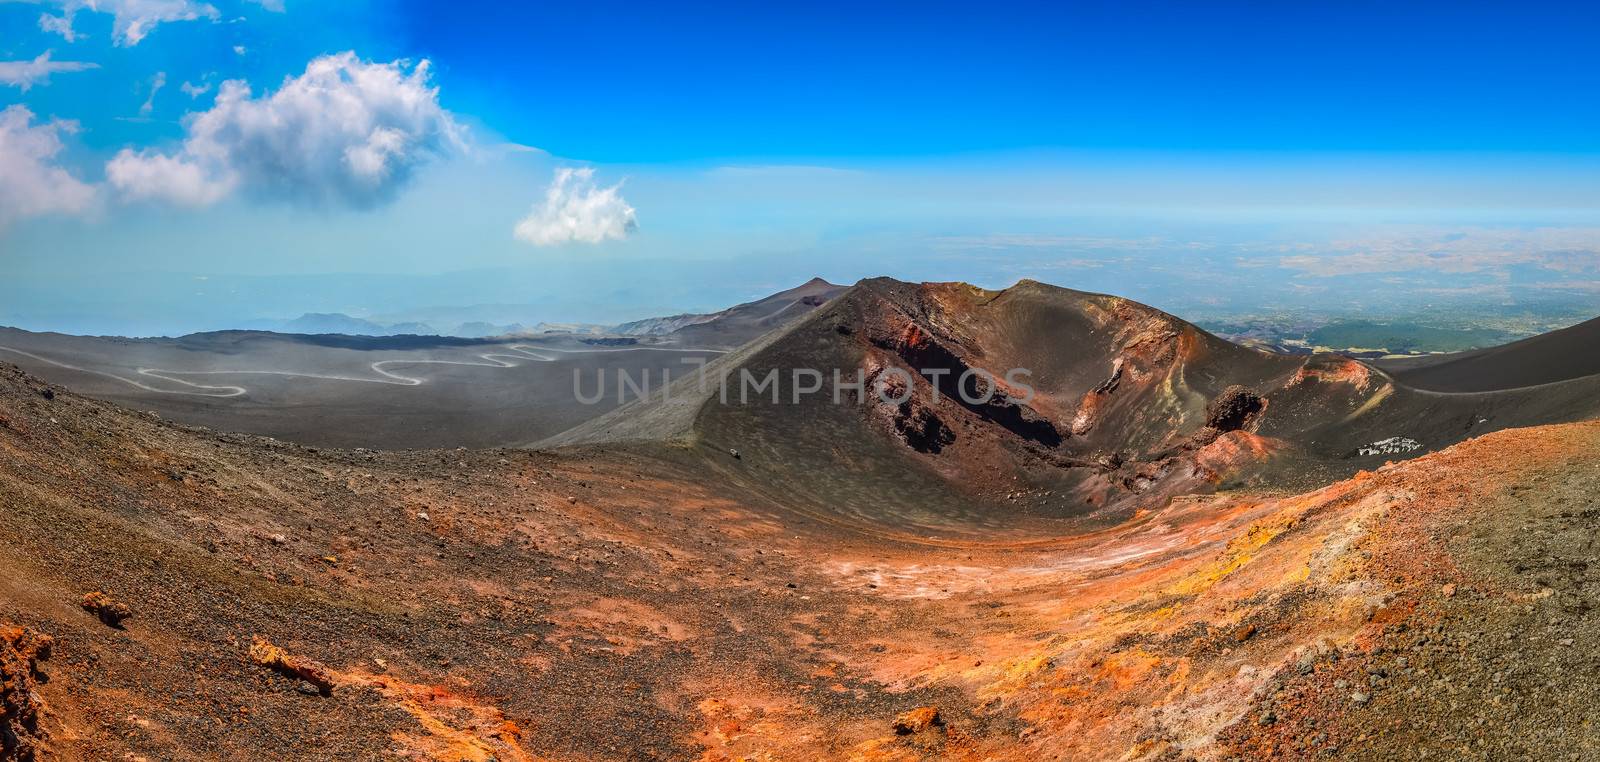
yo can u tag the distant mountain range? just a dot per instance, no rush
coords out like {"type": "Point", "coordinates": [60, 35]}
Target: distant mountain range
{"type": "Point", "coordinates": [314, 323]}
{"type": "Point", "coordinates": [728, 327]}
{"type": "Point", "coordinates": [338, 322]}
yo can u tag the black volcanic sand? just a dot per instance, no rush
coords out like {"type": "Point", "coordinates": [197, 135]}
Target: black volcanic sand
{"type": "Point", "coordinates": [743, 323]}
{"type": "Point", "coordinates": [456, 406]}
{"type": "Point", "coordinates": [1548, 358]}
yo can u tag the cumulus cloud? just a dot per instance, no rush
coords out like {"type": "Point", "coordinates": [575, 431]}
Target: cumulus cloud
{"type": "Point", "coordinates": [575, 210]}
{"type": "Point", "coordinates": [26, 74]}
{"type": "Point", "coordinates": [31, 183]}
{"type": "Point", "coordinates": [344, 132]}
{"type": "Point", "coordinates": [131, 20]}
{"type": "Point", "coordinates": [151, 175]}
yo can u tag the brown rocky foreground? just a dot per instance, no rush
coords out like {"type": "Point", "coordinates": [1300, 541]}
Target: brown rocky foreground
{"type": "Point", "coordinates": [629, 603]}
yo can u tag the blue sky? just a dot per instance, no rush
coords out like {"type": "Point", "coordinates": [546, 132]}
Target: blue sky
{"type": "Point", "coordinates": [244, 161]}
{"type": "Point", "coordinates": [655, 82]}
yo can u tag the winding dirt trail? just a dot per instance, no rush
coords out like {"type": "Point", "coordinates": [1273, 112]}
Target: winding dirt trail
{"type": "Point", "coordinates": [517, 354]}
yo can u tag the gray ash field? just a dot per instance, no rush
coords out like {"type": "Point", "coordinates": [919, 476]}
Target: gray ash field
{"type": "Point", "coordinates": [393, 392]}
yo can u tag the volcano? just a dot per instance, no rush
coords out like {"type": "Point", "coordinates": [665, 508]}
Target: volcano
{"type": "Point", "coordinates": [1031, 523]}
{"type": "Point", "coordinates": [998, 407]}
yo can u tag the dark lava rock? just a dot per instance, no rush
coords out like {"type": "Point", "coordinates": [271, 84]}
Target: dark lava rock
{"type": "Point", "coordinates": [1233, 409]}
{"type": "Point", "coordinates": [922, 429]}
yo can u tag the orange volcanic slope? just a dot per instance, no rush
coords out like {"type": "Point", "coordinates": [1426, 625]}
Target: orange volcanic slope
{"type": "Point", "coordinates": [630, 602]}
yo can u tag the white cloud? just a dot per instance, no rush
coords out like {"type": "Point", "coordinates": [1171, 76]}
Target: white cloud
{"type": "Point", "coordinates": [150, 175]}
{"type": "Point", "coordinates": [575, 210]}
{"type": "Point", "coordinates": [61, 25]}
{"type": "Point", "coordinates": [344, 132]}
{"type": "Point", "coordinates": [276, 6]}
{"type": "Point", "coordinates": [156, 83]}
{"type": "Point", "coordinates": [193, 90]}
{"type": "Point", "coordinates": [31, 184]}
{"type": "Point", "coordinates": [26, 74]}
{"type": "Point", "coordinates": [131, 20]}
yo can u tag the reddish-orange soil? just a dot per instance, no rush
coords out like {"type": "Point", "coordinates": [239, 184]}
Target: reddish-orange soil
{"type": "Point", "coordinates": [627, 603]}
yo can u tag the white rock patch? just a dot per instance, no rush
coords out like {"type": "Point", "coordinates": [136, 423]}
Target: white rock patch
{"type": "Point", "coordinates": [1390, 446]}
